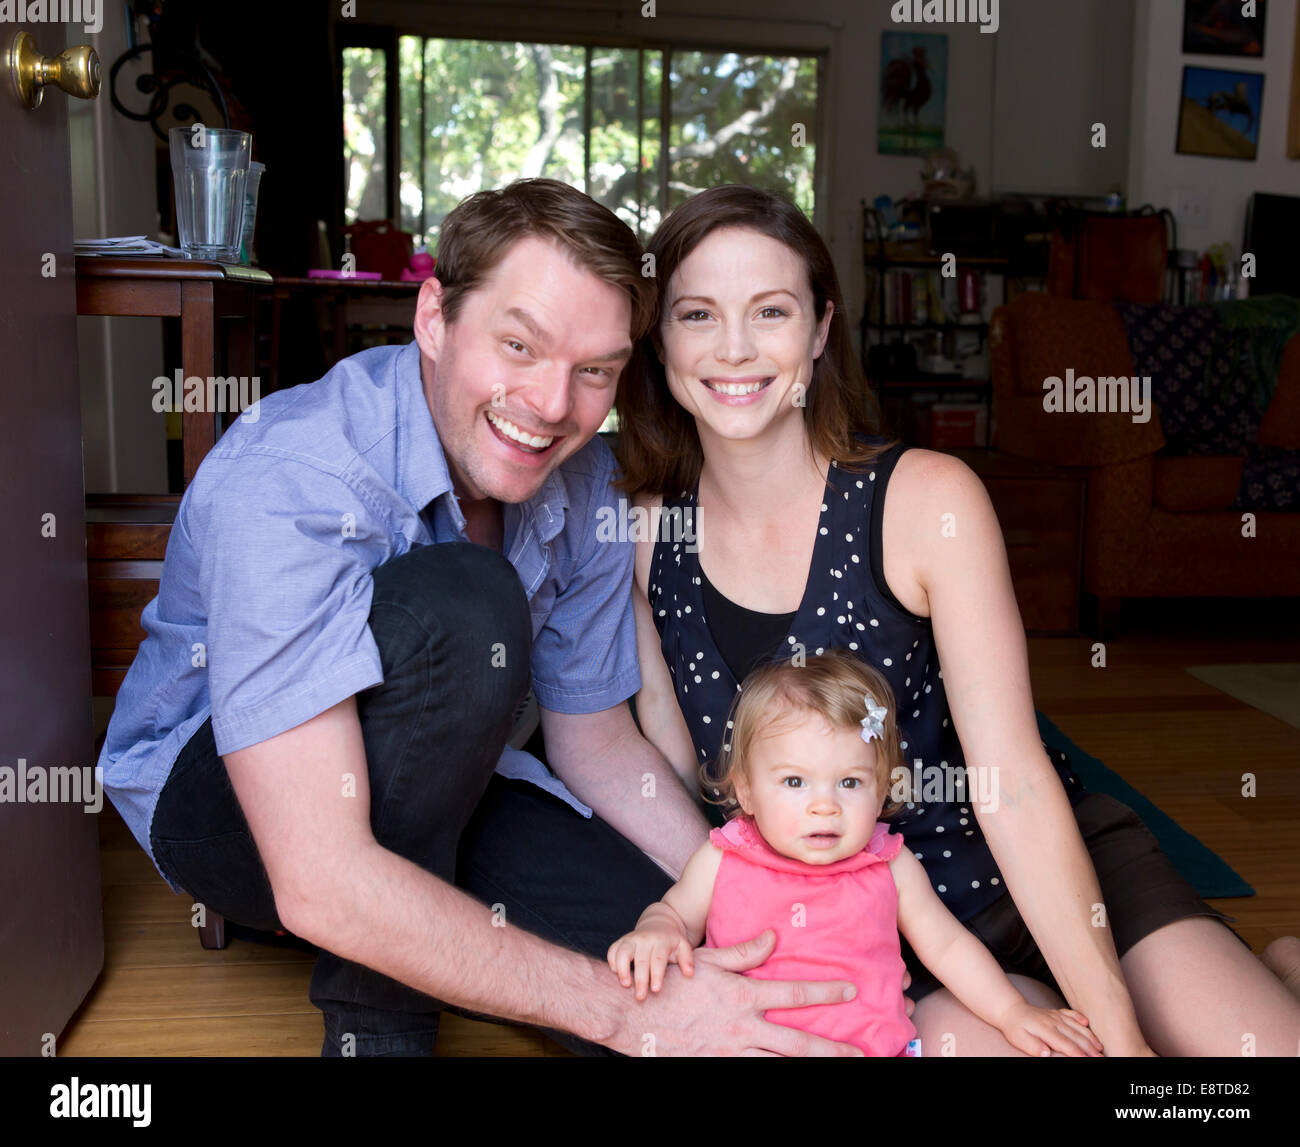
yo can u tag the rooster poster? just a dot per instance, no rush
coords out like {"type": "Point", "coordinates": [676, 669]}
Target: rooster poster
{"type": "Point", "coordinates": [913, 93]}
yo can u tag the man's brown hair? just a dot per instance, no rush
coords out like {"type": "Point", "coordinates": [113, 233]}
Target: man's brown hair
{"type": "Point", "coordinates": [479, 231]}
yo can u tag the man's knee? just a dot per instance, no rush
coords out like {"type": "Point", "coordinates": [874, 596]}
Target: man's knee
{"type": "Point", "coordinates": [448, 568]}
{"type": "Point", "coordinates": [465, 598]}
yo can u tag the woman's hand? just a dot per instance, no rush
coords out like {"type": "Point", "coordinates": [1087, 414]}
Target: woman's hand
{"type": "Point", "coordinates": [644, 956]}
{"type": "Point", "coordinates": [1041, 1031]}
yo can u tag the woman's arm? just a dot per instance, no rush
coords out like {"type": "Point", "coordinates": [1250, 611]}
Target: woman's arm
{"type": "Point", "coordinates": [939, 520]}
{"type": "Point", "coordinates": [657, 712]}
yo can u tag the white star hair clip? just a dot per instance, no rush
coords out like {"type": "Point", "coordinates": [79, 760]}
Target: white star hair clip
{"type": "Point", "coordinates": [873, 724]}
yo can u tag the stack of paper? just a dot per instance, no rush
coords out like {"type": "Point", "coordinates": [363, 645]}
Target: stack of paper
{"type": "Point", "coordinates": [126, 245]}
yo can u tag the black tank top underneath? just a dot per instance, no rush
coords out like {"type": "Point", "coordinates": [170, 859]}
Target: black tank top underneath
{"type": "Point", "coordinates": [709, 644]}
{"type": "Point", "coordinates": [745, 638]}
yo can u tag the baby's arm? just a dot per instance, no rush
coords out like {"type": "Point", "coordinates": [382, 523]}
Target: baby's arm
{"type": "Point", "coordinates": [967, 969]}
{"type": "Point", "coordinates": [669, 929]}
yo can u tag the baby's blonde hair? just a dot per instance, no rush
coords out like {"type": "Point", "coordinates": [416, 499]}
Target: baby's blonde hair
{"type": "Point", "coordinates": [833, 685]}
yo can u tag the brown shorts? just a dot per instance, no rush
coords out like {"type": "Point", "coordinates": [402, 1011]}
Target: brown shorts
{"type": "Point", "coordinates": [1140, 887]}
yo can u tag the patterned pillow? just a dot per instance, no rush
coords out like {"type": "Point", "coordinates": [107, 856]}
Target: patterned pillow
{"type": "Point", "coordinates": [1270, 479]}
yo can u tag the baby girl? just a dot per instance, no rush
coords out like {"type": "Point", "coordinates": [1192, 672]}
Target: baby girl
{"type": "Point", "coordinates": [811, 754]}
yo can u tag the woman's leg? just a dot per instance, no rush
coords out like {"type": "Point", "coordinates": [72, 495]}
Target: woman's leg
{"type": "Point", "coordinates": [947, 1027]}
{"type": "Point", "coordinates": [1199, 991]}
{"type": "Point", "coordinates": [1282, 958]}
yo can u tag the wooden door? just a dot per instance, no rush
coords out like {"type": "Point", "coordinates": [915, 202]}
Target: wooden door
{"type": "Point", "coordinates": [51, 926]}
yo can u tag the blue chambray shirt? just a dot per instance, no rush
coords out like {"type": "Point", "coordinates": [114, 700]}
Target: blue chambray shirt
{"type": "Point", "coordinates": [261, 618]}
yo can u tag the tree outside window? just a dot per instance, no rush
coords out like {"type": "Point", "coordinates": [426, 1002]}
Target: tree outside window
{"type": "Point", "coordinates": [477, 114]}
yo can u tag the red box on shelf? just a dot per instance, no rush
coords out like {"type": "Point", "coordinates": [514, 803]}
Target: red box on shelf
{"type": "Point", "coordinates": [958, 426]}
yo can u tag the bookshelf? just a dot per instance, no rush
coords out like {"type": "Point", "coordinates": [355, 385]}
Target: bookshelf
{"type": "Point", "coordinates": [924, 337]}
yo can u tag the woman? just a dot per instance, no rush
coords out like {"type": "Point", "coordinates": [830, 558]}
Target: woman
{"type": "Point", "coordinates": [748, 432]}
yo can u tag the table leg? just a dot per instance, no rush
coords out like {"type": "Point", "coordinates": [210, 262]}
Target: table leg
{"type": "Point", "coordinates": [198, 428]}
{"type": "Point", "coordinates": [241, 360]}
{"type": "Point", "coordinates": [339, 305]}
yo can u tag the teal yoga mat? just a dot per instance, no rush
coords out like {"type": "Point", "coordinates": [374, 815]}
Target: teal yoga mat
{"type": "Point", "coordinates": [1200, 866]}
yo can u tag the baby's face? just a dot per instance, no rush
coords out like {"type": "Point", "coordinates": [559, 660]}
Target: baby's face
{"type": "Point", "coordinates": [812, 789]}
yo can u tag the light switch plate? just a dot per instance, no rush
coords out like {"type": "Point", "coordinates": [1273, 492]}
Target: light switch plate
{"type": "Point", "coordinates": [1191, 208]}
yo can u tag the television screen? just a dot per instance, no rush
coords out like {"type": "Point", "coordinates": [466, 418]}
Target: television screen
{"type": "Point", "coordinates": [1273, 237]}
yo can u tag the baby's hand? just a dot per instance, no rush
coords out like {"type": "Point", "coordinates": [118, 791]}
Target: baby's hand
{"type": "Point", "coordinates": [1041, 1031]}
{"type": "Point", "coordinates": [650, 949]}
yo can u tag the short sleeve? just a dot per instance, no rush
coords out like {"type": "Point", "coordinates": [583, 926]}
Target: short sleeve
{"type": "Point", "coordinates": [731, 837]}
{"type": "Point", "coordinates": [884, 843]}
{"type": "Point", "coordinates": [584, 656]}
{"type": "Point", "coordinates": [285, 560]}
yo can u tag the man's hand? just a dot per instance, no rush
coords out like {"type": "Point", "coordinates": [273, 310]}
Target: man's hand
{"type": "Point", "coordinates": [718, 1012]}
{"type": "Point", "coordinates": [909, 1004]}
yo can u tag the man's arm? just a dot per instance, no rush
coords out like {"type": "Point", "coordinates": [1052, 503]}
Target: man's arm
{"type": "Point", "coordinates": [607, 764]}
{"type": "Point", "coordinates": [336, 887]}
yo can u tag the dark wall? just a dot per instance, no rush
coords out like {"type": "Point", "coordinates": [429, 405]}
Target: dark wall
{"type": "Point", "coordinates": [279, 60]}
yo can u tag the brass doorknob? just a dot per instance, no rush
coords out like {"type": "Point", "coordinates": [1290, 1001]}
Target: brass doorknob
{"type": "Point", "coordinates": [74, 70]}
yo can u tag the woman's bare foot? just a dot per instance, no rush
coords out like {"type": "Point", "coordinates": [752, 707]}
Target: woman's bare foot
{"type": "Point", "coordinates": [1282, 958]}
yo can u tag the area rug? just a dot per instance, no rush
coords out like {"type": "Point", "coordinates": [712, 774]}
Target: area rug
{"type": "Point", "coordinates": [1200, 866]}
{"type": "Point", "coordinates": [1270, 687]}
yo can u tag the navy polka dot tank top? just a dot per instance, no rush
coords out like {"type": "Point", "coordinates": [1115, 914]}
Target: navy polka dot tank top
{"type": "Point", "coordinates": [846, 605]}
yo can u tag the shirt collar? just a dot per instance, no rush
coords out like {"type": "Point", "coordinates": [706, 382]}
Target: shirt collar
{"type": "Point", "coordinates": [548, 506]}
{"type": "Point", "coordinates": [422, 471]}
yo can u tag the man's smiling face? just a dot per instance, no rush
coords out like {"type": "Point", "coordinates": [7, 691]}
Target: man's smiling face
{"type": "Point", "coordinates": [526, 373]}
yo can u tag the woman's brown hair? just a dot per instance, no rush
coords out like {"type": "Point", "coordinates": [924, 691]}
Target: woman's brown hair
{"type": "Point", "coordinates": [658, 446]}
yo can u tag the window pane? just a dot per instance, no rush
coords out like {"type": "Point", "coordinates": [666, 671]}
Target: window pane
{"type": "Point", "coordinates": [363, 133]}
{"type": "Point", "coordinates": [488, 112]}
{"type": "Point", "coordinates": [495, 112]}
{"type": "Point", "coordinates": [410, 109]}
{"type": "Point", "coordinates": [652, 178]}
{"type": "Point", "coordinates": [613, 177]}
{"type": "Point", "coordinates": [734, 120]}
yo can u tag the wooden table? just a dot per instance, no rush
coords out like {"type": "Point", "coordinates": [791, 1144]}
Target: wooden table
{"type": "Point", "coordinates": [1040, 509]}
{"type": "Point", "coordinates": [199, 294]}
{"type": "Point", "coordinates": [126, 534]}
{"type": "Point", "coordinates": [350, 303]}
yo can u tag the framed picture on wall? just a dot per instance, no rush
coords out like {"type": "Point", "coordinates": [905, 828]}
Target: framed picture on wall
{"type": "Point", "coordinates": [1293, 124]}
{"type": "Point", "coordinates": [913, 93]}
{"type": "Point", "coordinates": [1219, 113]}
{"type": "Point", "coordinates": [1218, 28]}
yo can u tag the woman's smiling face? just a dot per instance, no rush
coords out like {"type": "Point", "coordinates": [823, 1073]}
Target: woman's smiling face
{"type": "Point", "coordinates": [739, 334]}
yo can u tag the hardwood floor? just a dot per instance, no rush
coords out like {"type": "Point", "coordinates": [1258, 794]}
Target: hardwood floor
{"type": "Point", "coordinates": [1182, 743]}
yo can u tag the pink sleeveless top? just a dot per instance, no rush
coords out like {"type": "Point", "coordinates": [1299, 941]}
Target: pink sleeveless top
{"type": "Point", "coordinates": [835, 921]}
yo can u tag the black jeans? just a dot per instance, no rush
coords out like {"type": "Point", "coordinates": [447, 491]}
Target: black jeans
{"type": "Point", "coordinates": [453, 630]}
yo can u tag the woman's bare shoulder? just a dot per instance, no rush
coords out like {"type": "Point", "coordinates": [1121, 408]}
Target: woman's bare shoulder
{"type": "Point", "coordinates": [921, 474]}
{"type": "Point", "coordinates": [926, 483]}
{"type": "Point", "coordinates": [931, 498]}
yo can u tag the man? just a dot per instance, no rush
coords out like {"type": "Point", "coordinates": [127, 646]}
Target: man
{"type": "Point", "coordinates": [359, 588]}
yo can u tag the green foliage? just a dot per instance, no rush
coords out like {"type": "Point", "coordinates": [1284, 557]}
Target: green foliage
{"type": "Point", "coordinates": [494, 111]}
